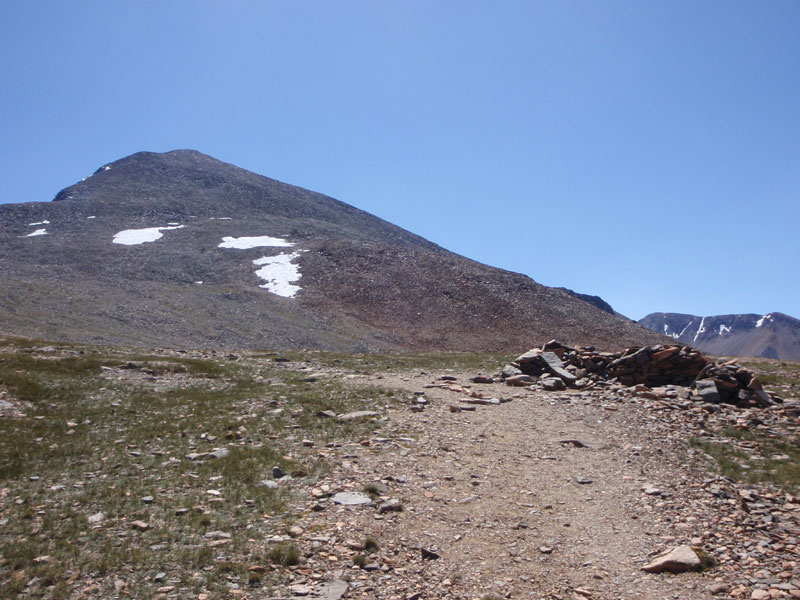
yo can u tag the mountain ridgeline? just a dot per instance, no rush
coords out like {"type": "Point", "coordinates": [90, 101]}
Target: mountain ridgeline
{"type": "Point", "coordinates": [773, 335]}
{"type": "Point", "coordinates": [179, 249]}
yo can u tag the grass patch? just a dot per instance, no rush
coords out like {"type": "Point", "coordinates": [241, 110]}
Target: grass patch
{"type": "Point", "coordinates": [754, 458]}
{"type": "Point", "coordinates": [779, 379]}
{"type": "Point", "coordinates": [104, 444]}
{"type": "Point", "coordinates": [372, 490]}
{"type": "Point", "coordinates": [379, 363]}
{"type": "Point", "coordinates": [286, 554]}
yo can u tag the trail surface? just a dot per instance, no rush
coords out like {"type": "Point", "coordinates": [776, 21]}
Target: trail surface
{"type": "Point", "coordinates": [541, 496]}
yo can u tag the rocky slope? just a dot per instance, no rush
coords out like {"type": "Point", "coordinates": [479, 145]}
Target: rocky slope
{"type": "Point", "coordinates": [181, 249]}
{"type": "Point", "coordinates": [774, 335]}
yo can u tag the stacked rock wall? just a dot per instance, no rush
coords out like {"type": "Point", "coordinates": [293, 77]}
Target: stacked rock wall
{"type": "Point", "coordinates": [557, 366]}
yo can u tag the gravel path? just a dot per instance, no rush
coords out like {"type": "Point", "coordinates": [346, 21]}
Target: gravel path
{"type": "Point", "coordinates": [542, 496]}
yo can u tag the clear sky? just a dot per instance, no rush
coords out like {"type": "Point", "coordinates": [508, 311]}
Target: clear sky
{"type": "Point", "coordinates": [647, 152]}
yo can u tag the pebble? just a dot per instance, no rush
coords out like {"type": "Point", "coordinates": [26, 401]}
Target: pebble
{"type": "Point", "coordinates": [392, 505]}
{"type": "Point", "coordinates": [718, 588]}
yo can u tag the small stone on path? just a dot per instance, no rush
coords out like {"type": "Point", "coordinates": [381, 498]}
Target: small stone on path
{"type": "Point", "coordinates": [351, 498]}
{"type": "Point", "coordinates": [677, 560]}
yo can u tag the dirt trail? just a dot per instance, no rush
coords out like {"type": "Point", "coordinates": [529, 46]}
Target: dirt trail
{"type": "Point", "coordinates": [511, 505]}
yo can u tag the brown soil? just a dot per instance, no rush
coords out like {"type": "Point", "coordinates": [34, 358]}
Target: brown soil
{"type": "Point", "coordinates": [495, 493]}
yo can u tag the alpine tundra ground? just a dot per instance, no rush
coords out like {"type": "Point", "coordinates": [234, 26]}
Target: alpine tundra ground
{"type": "Point", "coordinates": [171, 474]}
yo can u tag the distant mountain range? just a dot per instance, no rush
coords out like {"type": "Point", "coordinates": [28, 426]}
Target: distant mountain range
{"type": "Point", "coordinates": [774, 335]}
{"type": "Point", "coordinates": [179, 249]}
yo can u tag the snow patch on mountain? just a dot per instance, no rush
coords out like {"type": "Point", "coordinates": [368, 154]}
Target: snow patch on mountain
{"type": "Point", "coordinates": [37, 232]}
{"type": "Point", "coordinates": [245, 243]}
{"type": "Point", "coordinates": [700, 329]}
{"type": "Point", "coordinates": [669, 333]}
{"type": "Point", "coordinates": [133, 237]}
{"type": "Point", "coordinates": [280, 274]}
{"type": "Point", "coordinates": [724, 329]}
{"type": "Point", "coordinates": [760, 322]}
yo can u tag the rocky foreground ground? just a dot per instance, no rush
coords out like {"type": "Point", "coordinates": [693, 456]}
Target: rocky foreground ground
{"type": "Point", "coordinates": [550, 495]}
{"type": "Point", "coordinates": [449, 489]}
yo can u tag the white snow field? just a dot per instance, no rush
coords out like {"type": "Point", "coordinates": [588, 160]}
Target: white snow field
{"type": "Point", "coordinates": [280, 274]}
{"type": "Point", "coordinates": [133, 237]}
{"type": "Point", "coordinates": [245, 243]}
{"type": "Point", "coordinates": [37, 232]}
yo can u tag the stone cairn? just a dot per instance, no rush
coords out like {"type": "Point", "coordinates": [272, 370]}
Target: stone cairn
{"type": "Point", "coordinates": [557, 366]}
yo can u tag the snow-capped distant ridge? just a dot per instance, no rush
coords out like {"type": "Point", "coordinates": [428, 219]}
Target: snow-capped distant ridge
{"type": "Point", "coordinates": [771, 335]}
{"type": "Point", "coordinates": [700, 329]}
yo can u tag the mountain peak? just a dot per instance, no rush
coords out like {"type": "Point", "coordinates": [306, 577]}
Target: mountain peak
{"type": "Point", "coordinates": [141, 166]}
{"type": "Point", "coordinates": [179, 248]}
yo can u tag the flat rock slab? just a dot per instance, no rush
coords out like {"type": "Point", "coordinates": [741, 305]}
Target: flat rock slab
{"type": "Point", "coordinates": [529, 357]}
{"type": "Point", "coordinates": [520, 380]}
{"type": "Point", "coordinates": [351, 498]}
{"type": "Point", "coordinates": [333, 590]}
{"type": "Point", "coordinates": [358, 415]}
{"type": "Point", "coordinates": [556, 367]}
{"type": "Point", "coordinates": [680, 559]}
{"type": "Point", "coordinates": [480, 401]}
{"type": "Point", "coordinates": [708, 391]}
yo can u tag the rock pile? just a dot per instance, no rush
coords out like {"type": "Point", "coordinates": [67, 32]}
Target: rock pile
{"type": "Point", "coordinates": [557, 366]}
{"type": "Point", "coordinates": [649, 365]}
{"type": "Point", "coordinates": [732, 384]}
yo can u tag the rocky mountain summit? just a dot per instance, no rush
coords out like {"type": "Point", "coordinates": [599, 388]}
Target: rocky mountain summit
{"type": "Point", "coordinates": [774, 335]}
{"type": "Point", "coordinates": [181, 249]}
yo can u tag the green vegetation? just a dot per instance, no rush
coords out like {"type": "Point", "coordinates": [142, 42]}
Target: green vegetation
{"type": "Point", "coordinates": [286, 554]}
{"type": "Point", "coordinates": [96, 479]}
{"type": "Point", "coordinates": [754, 458]}
{"type": "Point", "coordinates": [381, 363]}
{"type": "Point", "coordinates": [371, 545]}
{"type": "Point", "coordinates": [770, 458]}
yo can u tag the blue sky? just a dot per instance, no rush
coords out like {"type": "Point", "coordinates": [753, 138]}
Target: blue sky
{"type": "Point", "coordinates": [647, 152]}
